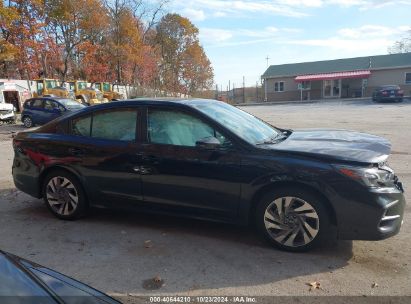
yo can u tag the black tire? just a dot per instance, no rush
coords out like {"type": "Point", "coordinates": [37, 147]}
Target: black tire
{"type": "Point", "coordinates": [399, 100]}
{"type": "Point", "coordinates": [57, 204]}
{"type": "Point", "coordinates": [27, 121]}
{"type": "Point", "coordinates": [321, 224]}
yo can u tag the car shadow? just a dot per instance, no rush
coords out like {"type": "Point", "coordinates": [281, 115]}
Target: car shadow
{"type": "Point", "coordinates": [120, 251]}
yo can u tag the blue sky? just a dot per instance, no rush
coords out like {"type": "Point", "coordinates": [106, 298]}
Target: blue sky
{"type": "Point", "coordinates": [238, 35]}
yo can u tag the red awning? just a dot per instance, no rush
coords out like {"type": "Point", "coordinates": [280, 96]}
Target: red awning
{"type": "Point", "coordinates": [331, 76]}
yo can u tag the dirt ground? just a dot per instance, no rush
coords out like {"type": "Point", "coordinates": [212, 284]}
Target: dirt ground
{"type": "Point", "coordinates": [120, 252]}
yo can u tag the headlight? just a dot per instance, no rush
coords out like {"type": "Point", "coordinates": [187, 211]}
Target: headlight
{"type": "Point", "coordinates": [373, 177]}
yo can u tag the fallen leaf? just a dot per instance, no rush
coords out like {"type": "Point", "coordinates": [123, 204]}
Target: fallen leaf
{"type": "Point", "coordinates": [374, 285]}
{"type": "Point", "coordinates": [157, 279]}
{"type": "Point", "coordinates": [148, 244]}
{"type": "Point", "coordinates": [314, 285]}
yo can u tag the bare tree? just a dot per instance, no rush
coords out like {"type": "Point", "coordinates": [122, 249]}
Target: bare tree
{"type": "Point", "coordinates": [401, 46]}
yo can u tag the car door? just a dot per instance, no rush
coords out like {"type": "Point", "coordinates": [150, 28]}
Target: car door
{"type": "Point", "coordinates": [105, 143]}
{"type": "Point", "coordinates": [177, 173]}
{"type": "Point", "coordinates": [51, 110]}
{"type": "Point", "coordinates": [36, 111]}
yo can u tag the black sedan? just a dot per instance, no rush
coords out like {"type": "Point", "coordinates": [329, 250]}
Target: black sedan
{"type": "Point", "coordinates": [22, 281]}
{"type": "Point", "coordinates": [388, 93]}
{"type": "Point", "coordinates": [209, 160]}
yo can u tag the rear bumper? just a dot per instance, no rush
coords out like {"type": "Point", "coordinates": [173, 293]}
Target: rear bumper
{"type": "Point", "coordinates": [26, 177]}
{"type": "Point", "coordinates": [388, 98]}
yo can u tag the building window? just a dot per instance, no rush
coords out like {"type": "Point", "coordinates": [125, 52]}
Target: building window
{"type": "Point", "coordinates": [304, 85]}
{"type": "Point", "coordinates": [279, 86]}
{"type": "Point", "coordinates": [408, 78]}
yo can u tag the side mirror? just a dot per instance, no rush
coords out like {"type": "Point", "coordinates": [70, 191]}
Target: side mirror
{"type": "Point", "coordinates": [208, 143]}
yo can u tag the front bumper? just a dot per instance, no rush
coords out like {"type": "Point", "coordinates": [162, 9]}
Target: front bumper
{"type": "Point", "coordinates": [377, 218]}
{"type": "Point", "coordinates": [8, 116]}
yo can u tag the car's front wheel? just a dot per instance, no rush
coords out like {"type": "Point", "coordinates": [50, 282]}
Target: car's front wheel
{"type": "Point", "coordinates": [27, 121]}
{"type": "Point", "coordinates": [64, 195]}
{"type": "Point", "coordinates": [292, 219]}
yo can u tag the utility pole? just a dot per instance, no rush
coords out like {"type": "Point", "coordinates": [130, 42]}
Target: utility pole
{"type": "Point", "coordinates": [234, 92]}
{"type": "Point", "coordinates": [229, 90]}
{"type": "Point", "coordinates": [256, 90]}
{"type": "Point", "coordinates": [243, 89]}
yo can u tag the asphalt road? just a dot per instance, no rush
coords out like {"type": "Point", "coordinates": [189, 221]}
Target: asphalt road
{"type": "Point", "coordinates": [117, 252]}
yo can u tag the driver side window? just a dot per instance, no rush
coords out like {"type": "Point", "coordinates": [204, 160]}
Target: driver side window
{"type": "Point", "coordinates": [178, 129]}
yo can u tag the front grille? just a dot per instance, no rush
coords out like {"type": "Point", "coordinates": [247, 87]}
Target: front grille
{"type": "Point", "coordinates": [6, 112]}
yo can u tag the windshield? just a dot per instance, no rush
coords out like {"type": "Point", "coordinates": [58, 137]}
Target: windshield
{"type": "Point", "coordinates": [70, 104]}
{"type": "Point", "coordinates": [390, 87]}
{"type": "Point", "coordinates": [106, 87]}
{"type": "Point", "coordinates": [244, 125]}
{"type": "Point", "coordinates": [51, 84]}
{"type": "Point", "coordinates": [82, 85]}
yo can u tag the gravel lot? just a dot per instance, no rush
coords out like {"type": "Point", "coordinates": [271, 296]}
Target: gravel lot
{"type": "Point", "coordinates": [109, 250]}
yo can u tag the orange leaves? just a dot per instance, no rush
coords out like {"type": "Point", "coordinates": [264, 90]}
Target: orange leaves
{"type": "Point", "coordinates": [103, 41]}
{"type": "Point", "coordinates": [185, 67]}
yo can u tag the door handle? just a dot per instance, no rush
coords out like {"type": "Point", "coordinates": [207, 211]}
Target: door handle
{"type": "Point", "coordinates": [147, 158]}
{"type": "Point", "coordinates": [142, 170]}
{"type": "Point", "coordinates": [76, 151]}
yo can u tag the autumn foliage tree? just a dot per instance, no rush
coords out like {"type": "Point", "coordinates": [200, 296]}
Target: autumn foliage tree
{"type": "Point", "coordinates": [184, 66]}
{"type": "Point", "coordinates": [122, 41]}
{"type": "Point", "coordinates": [8, 50]}
{"type": "Point", "coordinates": [21, 26]}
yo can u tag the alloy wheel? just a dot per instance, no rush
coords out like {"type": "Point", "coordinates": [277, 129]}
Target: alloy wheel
{"type": "Point", "coordinates": [291, 221]}
{"type": "Point", "coordinates": [62, 195]}
{"type": "Point", "coordinates": [27, 122]}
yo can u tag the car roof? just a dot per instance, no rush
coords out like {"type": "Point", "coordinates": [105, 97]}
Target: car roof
{"type": "Point", "coordinates": [177, 102]}
{"type": "Point", "coordinates": [167, 101]}
{"type": "Point", "coordinates": [389, 85]}
{"type": "Point", "coordinates": [57, 98]}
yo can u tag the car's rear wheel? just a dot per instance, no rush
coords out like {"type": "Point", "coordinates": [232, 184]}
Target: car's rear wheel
{"type": "Point", "coordinates": [64, 195]}
{"type": "Point", "coordinates": [292, 219]}
{"type": "Point", "coordinates": [399, 100]}
{"type": "Point", "coordinates": [27, 121]}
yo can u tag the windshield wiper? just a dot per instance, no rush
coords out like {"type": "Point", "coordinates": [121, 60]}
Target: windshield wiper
{"type": "Point", "coordinates": [272, 140]}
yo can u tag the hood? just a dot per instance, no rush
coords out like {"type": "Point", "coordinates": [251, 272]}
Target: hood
{"type": "Point", "coordinates": [336, 144]}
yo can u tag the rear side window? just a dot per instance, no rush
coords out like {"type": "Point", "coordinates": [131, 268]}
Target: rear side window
{"type": "Point", "coordinates": [114, 125]}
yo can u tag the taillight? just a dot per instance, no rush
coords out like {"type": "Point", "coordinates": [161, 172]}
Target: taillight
{"type": "Point", "coordinates": [17, 146]}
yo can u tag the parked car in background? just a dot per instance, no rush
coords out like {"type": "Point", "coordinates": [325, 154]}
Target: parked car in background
{"type": "Point", "coordinates": [22, 281]}
{"type": "Point", "coordinates": [7, 113]}
{"type": "Point", "coordinates": [210, 160]}
{"type": "Point", "coordinates": [41, 110]}
{"type": "Point", "coordinates": [388, 93]}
